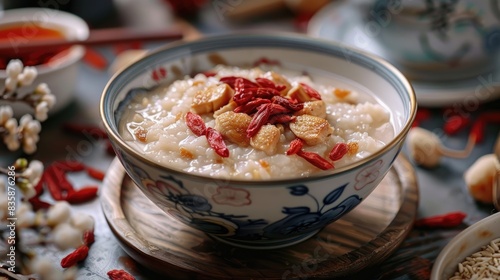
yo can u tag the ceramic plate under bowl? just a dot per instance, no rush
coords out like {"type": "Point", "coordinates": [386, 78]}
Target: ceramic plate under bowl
{"type": "Point", "coordinates": [465, 244]}
{"type": "Point", "coordinates": [345, 22]}
{"type": "Point", "coordinates": [364, 237]}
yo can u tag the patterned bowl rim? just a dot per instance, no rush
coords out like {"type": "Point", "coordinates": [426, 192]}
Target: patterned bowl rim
{"type": "Point", "coordinates": [259, 39]}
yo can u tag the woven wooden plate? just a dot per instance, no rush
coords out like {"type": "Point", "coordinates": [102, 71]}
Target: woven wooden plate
{"type": "Point", "coordinates": [364, 237]}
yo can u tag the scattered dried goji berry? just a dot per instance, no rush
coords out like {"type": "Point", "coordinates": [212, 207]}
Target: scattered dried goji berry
{"type": "Point", "coordinates": [311, 92]}
{"type": "Point", "coordinates": [88, 237]}
{"type": "Point", "coordinates": [281, 118]}
{"type": "Point", "coordinates": [264, 82]}
{"type": "Point", "coordinates": [118, 274]}
{"type": "Point", "coordinates": [251, 106]}
{"type": "Point", "coordinates": [82, 195]}
{"type": "Point", "coordinates": [95, 173]}
{"type": "Point", "coordinates": [287, 103]}
{"type": "Point", "coordinates": [243, 83]}
{"type": "Point", "coordinates": [37, 204]}
{"type": "Point", "coordinates": [195, 124]}
{"type": "Point", "coordinates": [338, 151]}
{"type": "Point", "coordinates": [448, 220]}
{"type": "Point", "coordinates": [216, 141]}
{"type": "Point", "coordinates": [315, 160]}
{"type": "Point", "coordinates": [455, 123]}
{"type": "Point", "coordinates": [295, 146]}
{"type": "Point", "coordinates": [69, 165]}
{"type": "Point", "coordinates": [76, 256]}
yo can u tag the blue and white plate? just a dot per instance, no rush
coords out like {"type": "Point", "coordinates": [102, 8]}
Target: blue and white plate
{"type": "Point", "coordinates": [346, 22]}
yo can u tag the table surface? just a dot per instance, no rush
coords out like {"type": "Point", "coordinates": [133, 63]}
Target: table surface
{"type": "Point", "coordinates": [441, 189]}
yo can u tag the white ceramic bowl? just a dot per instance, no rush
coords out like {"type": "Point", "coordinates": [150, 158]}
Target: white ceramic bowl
{"type": "Point", "coordinates": [61, 74]}
{"type": "Point", "coordinates": [465, 244]}
{"type": "Point", "coordinates": [267, 213]}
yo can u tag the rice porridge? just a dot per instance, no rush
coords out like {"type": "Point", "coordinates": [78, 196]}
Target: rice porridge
{"type": "Point", "coordinates": [255, 124]}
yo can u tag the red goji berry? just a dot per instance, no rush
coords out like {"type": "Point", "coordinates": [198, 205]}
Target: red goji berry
{"type": "Point", "coordinates": [477, 130]}
{"type": "Point", "coordinates": [315, 159]}
{"type": "Point", "coordinates": [281, 118]}
{"type": "Point", "coordinates": [259, 119]}
{"type": "Point", "coordinates": [287, 103]}
{"type": "Point", "coordinates": [249, 107]}
{"type": "Point", "coordinates": [264, 82]}
{"type": "Point", "coordinates": [448, 220]}
{"type": "Point", "coordinates": [85, 130]}
{"type": "Point", "coordinates": [82, 195]}
{"type": "Point", "coordinates": [295, 146]}
{"type": "Point", "coordinates": [455, 123]}
{"type": "Point", "coordinates": [118, 274]}
{"type": "Point", "coordinates": [243, 83]}
{"type": "Point", "coordinates": [76, 256]}
{"type": "Point", "coordinates": [195, 124]}
{"type": "Point", "coordinates": [60, 177]}
{"type": "Point", "coordinates": [216, 141]}
{"type": "Point", "coordinates": [338, 151]}
{"type": "Point", "coordinates": [311, 92]}
{"type": "Point", "coordinates": [69, 165]}
{"type": "Point", "coordinates": [95, 173]}
{"type": "Point", "coordinates": [37, 203]}
{"type": "Point", "coordinates": [53, 187]}
{"type": "Point", "coordinates": [88, 237]}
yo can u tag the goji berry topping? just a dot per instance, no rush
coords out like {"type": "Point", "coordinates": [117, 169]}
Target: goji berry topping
{"type": "Point", "coordinates": [228, 120]}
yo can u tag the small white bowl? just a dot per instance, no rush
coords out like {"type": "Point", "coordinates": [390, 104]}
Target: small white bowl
{"type": "Point", "coordinates": [61, 73]}
{"type": "Point", "coordinates": [465, 244]}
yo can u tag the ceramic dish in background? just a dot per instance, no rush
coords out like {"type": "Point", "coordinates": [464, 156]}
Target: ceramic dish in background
{"type": "Point", "coordinates": [61, 72]}
{"type": "Point", "coordinates": [465, 244]}
{"type": "Point", "coordinates": [347, 22]}
{"type": "Point", "coordinates": [267, 213]}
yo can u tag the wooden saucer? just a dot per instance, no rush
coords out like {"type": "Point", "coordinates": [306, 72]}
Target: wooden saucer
{"type": "Point", "coordinates": [364, 237]}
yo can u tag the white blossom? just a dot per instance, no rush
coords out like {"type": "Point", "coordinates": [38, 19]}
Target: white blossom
{"type": "Point", "coordinates": [27, 77]}
{"type": "Point", "coordinates": [11, 142]}
{"type": "Point", "coordinates": [10, 84]}
{"type": "Point", "coordinates": [14, 68]}
{"type": "Point", "coordinates": [42, 89]}
{"type": "Point", "coordinates": [50, 99]}
{"type": "Point", "coordinates": [6, 113]}
{"type": "Point", "coordinates": [41, 111]}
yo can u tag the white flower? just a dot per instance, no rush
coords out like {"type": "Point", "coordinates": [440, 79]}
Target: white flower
{"type": "Point", "coordinates": [10, 84]}
{"type": "Point", "coordinates": [42, 89]}
{"type": "Point", "coordinates": [12, 142]}
{"type": "Point", "coordinates": [6, 113]}
{"type": "Point", "coordinates": [36, 169]}
{"type": "Point", "coordinates": [41, 111]}
{"type": "Point", "coordinates": [27, 77]}
{"type": "Point", "coordinates": [50, 99]}
{"type": "Point", "coordinates": [25, 120]}
{"type": "Point", "coordinates": [33, 127]}
{"type": "Point", "coordinates": [14, 68]}
{"type": "Point", "coordinates": [29, 145]}
{"type": "Point", "coordinates": [11, 126]}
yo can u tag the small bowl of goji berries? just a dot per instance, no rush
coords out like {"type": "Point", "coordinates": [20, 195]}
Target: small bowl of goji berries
{"type": "Point", "coordinates": [472, 254]}
{"type": "Point", "coordinates": [258, 140]}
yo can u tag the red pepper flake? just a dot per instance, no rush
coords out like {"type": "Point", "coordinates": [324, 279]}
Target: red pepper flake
{"type": "Point", "coordinates": [95, 173]}
{"type": "Point", "coordinates": [315, 159]}
{"type": "Point", "coordinates": [118, 274]}
{"type": "Point", "coordinates": [88, 237]}
{"type": "Point", "coordinates": [338, 151]}
{"type": "Point", "coordinates": [216, 141]}
{"type": "Point", "coordinates": [295, 146]}
{"type": "Point", "coordinates": [448, 220]}
{"type": "Point", "coordinates": [196, 124]}
{"type": "Point", "coordinates": [82, 195]}
{"type": "Point", "coordinates": [76, 256]}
